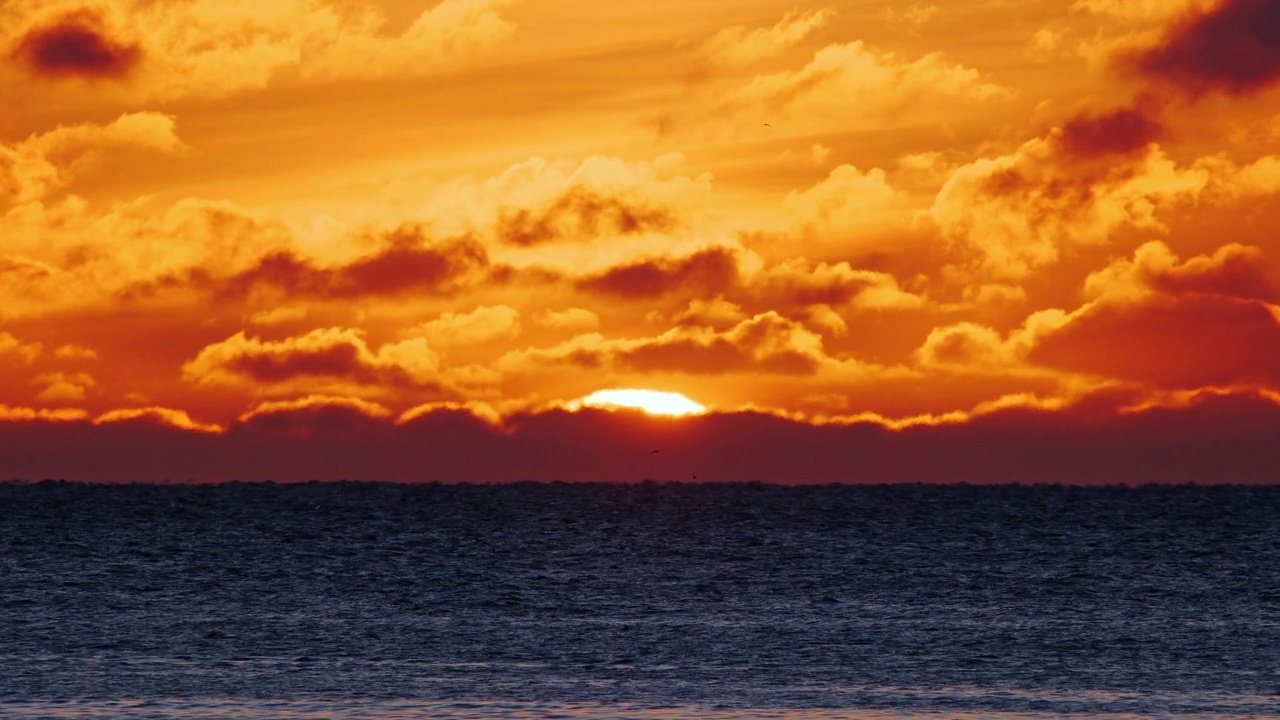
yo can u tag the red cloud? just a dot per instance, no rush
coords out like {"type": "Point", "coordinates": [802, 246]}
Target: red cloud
{"type": "Point", "coordinates": [407, 263]}
{"type": "Point", "coordinates": [1209, 437]}
{"type": "Point", "coordinates": [704, 274]}
{"type": "Point", "coordinates": [1188, 342]}
{"type": "Point", "coordinates": [76, 44]}
{"type": "Point", "coordinates": [1125, 131]}
{"type": "Point", "coordinates": [1234, 270]}
{"type": "Point", "coordinates": [1202, 322]}
{"type": "Point", "coordinates": [1233, 48]}
{"type": "Point", "coordinates": [334, 354]}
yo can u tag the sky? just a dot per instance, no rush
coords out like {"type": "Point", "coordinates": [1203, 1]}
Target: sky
{"type": "Point", "coordinates": [981, 241]}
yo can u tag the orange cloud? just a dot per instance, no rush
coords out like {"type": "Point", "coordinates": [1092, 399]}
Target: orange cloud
{"type": "Point", "coordinates": [332, 357]}
{"type": "Point", "coordinates": [801, 283]}
{"type": "Point", "coordinates": [1233, 270]}
{"type": "Point", "coordinates": [844, 76]}
{"type": "Point", "coordinates": [580, 215]}
{"type": "Point", "coordinates": [63, 387]}
{"type": "Point", "coordinates": [32, 169]}
{"type": "Point", "coordinates": [300, 410]}
{"type": "Point", "coordinates": [482, 325]}
{"type": "Point", "coordinates": [9, 413]}
{"type": "Point", "coordinates": [1011, 215]}
{"type": "Point", "coordinates": [767, 343]}
{"type": "Point", "coordinates": [739, 45]}
{"type": "Point", "coordinates": [14, 350]}
{"type": "Point", "coordinates": [189, 47]}
{"type": "Point", "coordinates": [170, 417]}
{"type": "Point", "coordinates": [573, 318]}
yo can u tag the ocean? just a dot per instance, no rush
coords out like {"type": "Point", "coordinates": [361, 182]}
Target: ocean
{"type": "Point", "coordinates": [648, 601]}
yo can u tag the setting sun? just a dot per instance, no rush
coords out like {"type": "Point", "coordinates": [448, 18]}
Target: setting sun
{"type": "Point", "coordinates": [653, 402]}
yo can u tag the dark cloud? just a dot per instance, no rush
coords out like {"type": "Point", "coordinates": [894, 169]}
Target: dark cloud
{"type": "Point", "coordinates": [338, 360]}
{"type": "Point", "coordinates": [334, 354]}
{"type": "Point", "coordinates": [1210, 438]}
{"type": "Point", "coordinates": [1233, 48]}
{"type": "Point", "coordinates": [1187, 342]}
{"type": "Point", "coordinates": [76, 44]}
{"type": "Point", "coordinates": [407, 263]}
{"type": "Point", "coordinates": [581, 214]}
{"type": "Point", "coordinates": [704, 274]}
{"type": "Point", "coordinates": [1236, 271]}
{"type": "Point", "coordinates": [1119, 132]}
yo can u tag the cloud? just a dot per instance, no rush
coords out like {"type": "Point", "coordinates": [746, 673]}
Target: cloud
{"type": "Point", "coordinates": [483, 325]}
{"type": "Point", "coordinates": [1105, 438]}
{"type": "Point", "coordinates": [973, 350]}
{"type": "Point", "coordinates": [912, 18]}
{"type": "Point", "coordinates": [305, 411]}
{"type": "Point", "coordinates": [1011, 215]}
{"type": "Point", "coordinates": [11, 414]}
{"type": "Point", "coordinates": [32, 169]}
{"type": "Point", "coordinates": [853, 83]}
{"type": "Point", "coordinates": [850, 210]}
{"type": "Point", "coordinates": [765, 344]}
{"type": "Point", "coordinates": [63, 387]}
{"type": "Point", "coordinates": [540, 203]}
{"type": "Point", "coordinates": [74, 352]}
{"type": "Point", "coordinates": [14, 350]}
{"type": "Point", "coordinates": [1123, 131]}
{"type": "Point", "coordinates": [738, 45]}
{"type": "Point", "coordinates": [169, 417]}
{"type": "Point", "coordinates": [326, 358]}
{"type": "Point", "coordinates": [715, 313]}
{"type": "Point", "coordinates": [406, 262]}
{"type": "Point", "coordinates": [1261, 177]}
{"type": "Point", "coordinates": [705, 274]}
{"type": "Point", "coordinates": [59, 256]}
{"type": "Point", "coordinates": [1207, 322]}
{"type": "Point", "coordinates": [433, 41]}
{"type": "Point", "coordinates": [1143, 11]}
{"type": "Point", "coordinates": [801, 283]}
{"type": "Point", "coordinates": [202, 48]}
{"type": "Point", "coordinates": [1233, 270]}
{"type": "Point", "coordinates": [1232, 47]}
{"type": "Point", "coordinates": [573, 318]}
{"type": "Point", "coordinates": [79, 43]}
{"type": "Point", "coordinates": [965, 346]}
{"type": "Point", "coordinates": [580, 215]}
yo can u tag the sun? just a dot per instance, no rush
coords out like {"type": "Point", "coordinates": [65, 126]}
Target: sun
{"type": "Point", "coordinates": [653, 402]}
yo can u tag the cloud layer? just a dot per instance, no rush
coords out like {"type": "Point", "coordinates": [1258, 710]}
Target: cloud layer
{"type": "Point", "coordinates": [397, 240]}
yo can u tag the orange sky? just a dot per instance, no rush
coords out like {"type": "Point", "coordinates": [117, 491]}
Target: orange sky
{"type": "Point", "coordinates": [990, 240]}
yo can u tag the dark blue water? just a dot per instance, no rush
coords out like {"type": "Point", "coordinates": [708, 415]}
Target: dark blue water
{"type": "Point", "coordinates": [647, 601]}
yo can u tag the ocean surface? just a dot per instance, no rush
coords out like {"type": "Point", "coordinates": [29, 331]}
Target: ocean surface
{"type": "Point", "coordinates": [650, 601]}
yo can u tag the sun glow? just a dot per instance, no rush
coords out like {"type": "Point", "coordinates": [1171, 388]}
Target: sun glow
{"type": "Point", "coordinates": [652, 402]}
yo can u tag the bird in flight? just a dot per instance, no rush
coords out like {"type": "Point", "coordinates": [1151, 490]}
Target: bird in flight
{"type": "Point", "coordinates": [654, 452]}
